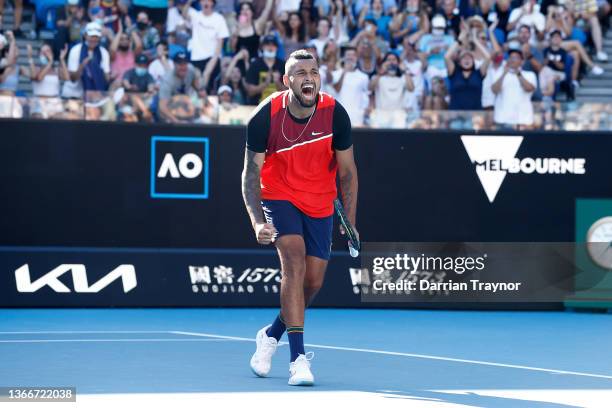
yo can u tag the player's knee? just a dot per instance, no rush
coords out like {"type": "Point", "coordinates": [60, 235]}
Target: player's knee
{"type": "Point", "coordinates": [293, 262]}
{"type": "Point", "coordinates": [313, 284]}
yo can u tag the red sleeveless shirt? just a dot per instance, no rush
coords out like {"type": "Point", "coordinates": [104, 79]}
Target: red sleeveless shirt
{"type": "Point", "coordinates": [301, 169]}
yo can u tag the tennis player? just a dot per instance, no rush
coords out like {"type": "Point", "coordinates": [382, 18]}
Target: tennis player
{"type": "Point", "coordinates": [297, 141]}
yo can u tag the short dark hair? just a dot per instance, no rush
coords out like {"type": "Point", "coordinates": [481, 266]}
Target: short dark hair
{"type": "Point", "coordinates": [525, 26]}
{"type": "Point", "coordinates": [296, 56]}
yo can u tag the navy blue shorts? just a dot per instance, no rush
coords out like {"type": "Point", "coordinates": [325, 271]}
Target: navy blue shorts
{"type": "Point", "coordinates": [288, 219]}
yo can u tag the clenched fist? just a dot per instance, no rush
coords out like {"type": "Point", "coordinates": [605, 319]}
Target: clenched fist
{"type": "Point", "coordinates": [265, 233]}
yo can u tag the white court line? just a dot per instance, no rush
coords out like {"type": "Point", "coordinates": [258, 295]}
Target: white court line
{"type": "Point", "coordinates": [88, 332]}
{"type": "Point", "coordinates": [99, 340]}
{"type": "Point", "coordinates": [423, 356]}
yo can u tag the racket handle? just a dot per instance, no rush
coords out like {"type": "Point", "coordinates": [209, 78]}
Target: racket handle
{"type": "Point", "coordinates": [354, 253]}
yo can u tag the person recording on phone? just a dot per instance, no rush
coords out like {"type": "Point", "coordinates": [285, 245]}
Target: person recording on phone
{"type": "Point", "coordinates": [89, 62]}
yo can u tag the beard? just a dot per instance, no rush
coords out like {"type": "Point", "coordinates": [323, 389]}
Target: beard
{"type": "Point", "coordinates": [301, 101]}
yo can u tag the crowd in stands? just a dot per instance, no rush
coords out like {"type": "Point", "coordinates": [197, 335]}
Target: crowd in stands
{"type": "Point", "coordinates": [176, 60]}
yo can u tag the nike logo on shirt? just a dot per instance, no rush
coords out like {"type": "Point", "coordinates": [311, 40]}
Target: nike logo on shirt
{"type": "Point", "coordinates": [317, 133]}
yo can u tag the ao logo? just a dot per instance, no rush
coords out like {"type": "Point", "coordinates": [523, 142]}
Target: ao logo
{"type": "Point", "coordinates": [189, 166]}
{"type": "Point", "coordinates": [179, 167]}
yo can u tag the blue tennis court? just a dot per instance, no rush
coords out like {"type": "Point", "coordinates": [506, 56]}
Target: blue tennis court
{"type": "Point", "coordinates": [408, 358]}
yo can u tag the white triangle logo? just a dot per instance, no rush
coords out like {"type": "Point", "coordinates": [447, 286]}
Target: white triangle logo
{"type": "Point", "coordinates": [483, 149]}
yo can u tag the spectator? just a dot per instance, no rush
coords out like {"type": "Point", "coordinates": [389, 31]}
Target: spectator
{"type": "Point", "coordinates": [123, 51]}
{"type": "Point", "coordinates": [183, 80]}
{"type": "Point", "coordinates": [351, 86]}
{"type": "Point", "coordinates": [292, 32]}
{"type": "Point", "coordinates": [513, 90]}
{"type": "Point", "coordinates": [367, 56]}
{"type": "Point", "coordinates": [323, 35]}
{"type": "Point", "coordinates": [370, 45]}
{"type": "Point", "coordinates": [157, 10]}
{"type": "Point", "coordinates": [558, 19]}
{"type": "Point", "coordinates": [138, 78]}
{"type": "Point", "coordinates": [247, 33]}
{"type": "Point", "coordinates": [375, 13]}
{"type": "Point", "coordinates": [70, 21]}
{"type": "Point", "coordinates": [556, 58]}
{"type": "Point", "coordinates": [433, 46]}
{"type": "Point", "coordinates": [587, 11]}
{"type": "Point", "coordinates": [149, 36]}
{"type": "Point", "coordinates": [437, 98]}
{"type": "Point", "coordinates": [497, 12]}
{"type": "Point", "coordinates": [177, 27]}
{"type": "Point", "coordinates": [9, 70]}
{"type": "Point", "coordinates": [452, 16]}
{"type": "Point", "coordinates": [44, 75]}
{"type": "Point", "coordinates": [235, 80]}
{"type": "Point", "coordinates": [209, 29]}
{"type": "Point", "coordinates": [390, 86]}
{"type": "Point", "coordinates": [226, 100]}
{"type": "Point", "coordinates": [389, 6]}
{"type": "Point", "coordinates": [89, 62]}
{"type": "Point", "coordinates": [529, 15]}
{"type": "Point", "coordinates": [413, 66]}
{"type": "Point", "coordinates": [162, 64]}
{"type": "Point", "coordinates": [265, 74]}
{"type": "Point", "coordinates": [532, 55]}
{"type": "Point", "coordinates": [408, 22]}
{"type": "Point", "coordinates": [494, 71]}
{"type": "Point", "coordinates": [327, 67]}
{"type": "Point", "coordinates": [70, 89]}
{"type": "Point", "coordinates": [17, 13]}
{"type": "Point", "coordinates": [466, 82]}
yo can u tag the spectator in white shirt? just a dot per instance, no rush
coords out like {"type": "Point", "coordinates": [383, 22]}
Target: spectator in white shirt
{"type": "Point", "coordinates": [391, 88]}
{"type": "Point", "coordinates": [89, 62]}
{"type": "Point", "coordinates": [513, 90]}
{"type": "Point", "coordinates": [161, 65]}
{"type": "Point", "coordinates": [351, 86]}
{"type": "Point", "coordinates": [208, 30]}
{"type": "Point", "coordinates": [528, 14]}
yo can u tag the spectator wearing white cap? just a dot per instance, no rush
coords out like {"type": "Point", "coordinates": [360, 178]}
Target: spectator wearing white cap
{"type": "Point", "coordinates": [433, 46]}
{"type": "Point", "coordinates": [90, 62]}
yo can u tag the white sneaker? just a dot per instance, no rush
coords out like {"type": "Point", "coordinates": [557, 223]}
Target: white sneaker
{"type": "Point", "coordinates": [597, 70]}
{"type": "Point", "coordinates": [261, 362]}
{"type": "Point", "coordinates": [299, 370]}
{"type": "Point", "coordinates": [602, 56]}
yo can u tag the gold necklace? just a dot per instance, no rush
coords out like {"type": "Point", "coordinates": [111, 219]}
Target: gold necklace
{"type": "Point", "coordinates": [302, 132]}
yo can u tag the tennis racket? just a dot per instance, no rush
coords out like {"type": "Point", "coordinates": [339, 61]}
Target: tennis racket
{"type": "Point", "coordinates": [353, 242]}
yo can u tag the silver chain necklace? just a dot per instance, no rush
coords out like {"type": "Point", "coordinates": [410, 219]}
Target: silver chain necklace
{"type": "Point", "coordinates": [302, 132]}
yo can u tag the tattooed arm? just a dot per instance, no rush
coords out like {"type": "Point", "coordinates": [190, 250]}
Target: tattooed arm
{"type": "Point", "coordinates": [251, 193]}
{"type": "Point", "coordinates": [347, 175]}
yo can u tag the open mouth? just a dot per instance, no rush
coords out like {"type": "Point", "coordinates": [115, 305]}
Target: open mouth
{"type": "Point", "coordinates": [308, 90]}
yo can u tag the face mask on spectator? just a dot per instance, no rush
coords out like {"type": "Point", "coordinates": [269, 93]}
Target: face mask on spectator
{"type": "Point", "coordinates": [412, 9]}
{"type": "Point", "coordinates": [124, 47]}
{"type": "Point", "coordinates": [43, 60]}
{"type": "Point", "coordinates": [392, 69]}
{"type": "Point", "coordinates": [100, 21]}
{"type": "Point", "coordinates": [142, 25]}
{"type": "Point", "coordinates": [269, 54]}
{"type": "Point", "coordinates": [140, 71]}
{"type": "Point", "coordinates": [437, 31]}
